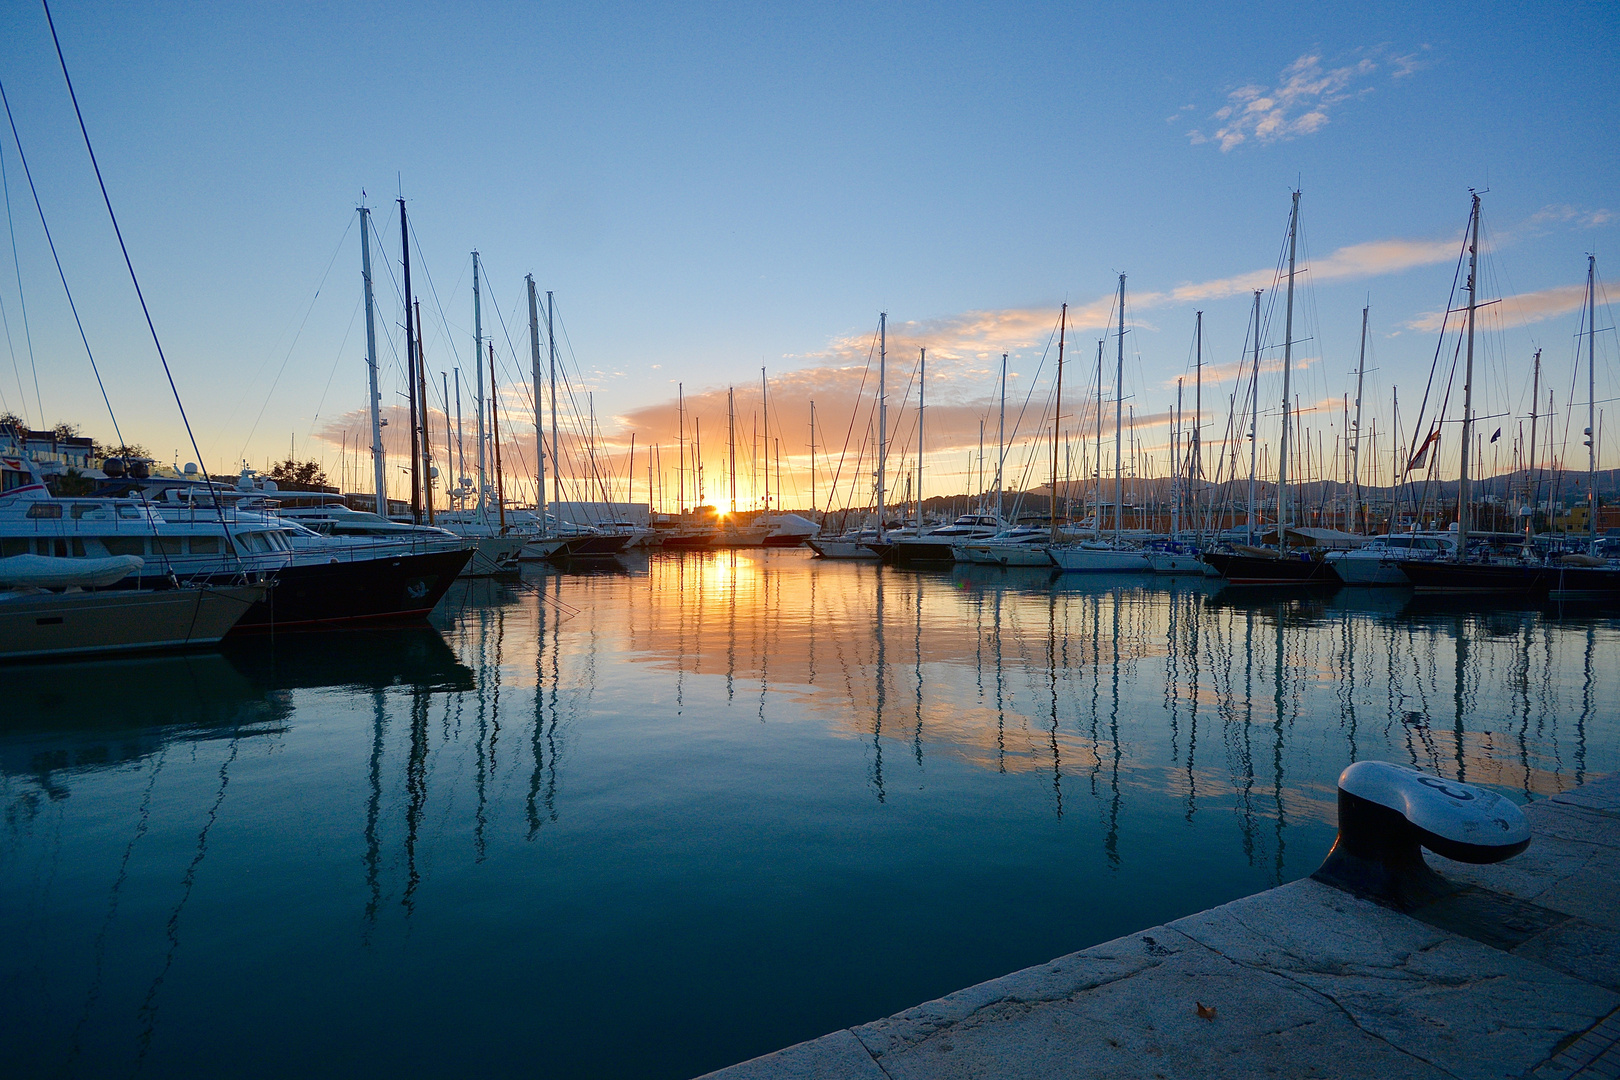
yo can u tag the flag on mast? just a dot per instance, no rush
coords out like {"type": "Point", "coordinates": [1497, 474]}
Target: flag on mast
{"type": "Point", "coordinates": [1422, 455]}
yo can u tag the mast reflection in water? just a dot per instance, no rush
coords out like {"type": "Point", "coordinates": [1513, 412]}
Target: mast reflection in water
{"type": "Point", "coordinates": [659, 817]}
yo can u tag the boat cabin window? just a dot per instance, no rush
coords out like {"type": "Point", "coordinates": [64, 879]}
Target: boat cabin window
{"type": "Point", "coordinates": [124, 545]}
{"type": "Point", "coordinates": [45, 510]}
{"type": "Point", "coordinates": [128, 512]}
{"type": "Point", "coordinates": [205, 545]}
{"type": "Point", "coordinates": [60, 547]}
{"type": "Point", "coordinates": [166, 545]}
{"type": "Point", "coordinates": [13, 546]}
{"type": "Point", "coordinates": [79, 510]}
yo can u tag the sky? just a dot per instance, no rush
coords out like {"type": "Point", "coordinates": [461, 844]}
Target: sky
{"type": "Point", "coordinates": [708, 191]}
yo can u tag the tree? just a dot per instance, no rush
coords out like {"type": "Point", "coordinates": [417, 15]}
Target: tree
{"type": "Point", "coordinates": [130, 450]}
{"type": "Point", "coordinates": [299, 475]}
{"type": "Point", "coordinates": [64, 430]}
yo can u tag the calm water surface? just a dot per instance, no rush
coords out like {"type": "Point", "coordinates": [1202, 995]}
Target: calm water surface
{"type": "Point", "coordinates": [652, 821]}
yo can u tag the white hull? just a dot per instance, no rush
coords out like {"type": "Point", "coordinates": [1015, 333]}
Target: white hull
{"type": "Point", "coordinates": [1100, 560]}
{"type": "Point", "coordinates": [843, 549]}
{"type": "Point", "coordinates": [1368, 571]}
{"type": "Point", "coordinates": [1167, 562]}
{"type": "Point", "coordinates": [117, 621]}
{"type": "Point", "coordinates": [539, 550]}
{"type": "Point", "coordinates": [1003, 554]}
{"type": "Point", "coordinates": [494, 555]}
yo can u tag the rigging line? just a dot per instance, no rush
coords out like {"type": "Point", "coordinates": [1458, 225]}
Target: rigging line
{"type": "Point", "coordinates": [354, 313]}
{"type": "Point", "coordinates": [265, 404]}
{"type": "Point", "coordinates": [853, 413]}
{"type": "Point", "coordinates": [444, 321]}
{"type": "Point", "coordinates": [27, 334]}
{"type": "Point", "coordinates": [218, 508]}
{"type": "Point", "coordinates": [59, 271]}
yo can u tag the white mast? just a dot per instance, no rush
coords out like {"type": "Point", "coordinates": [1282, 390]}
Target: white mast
{"type": "Point", "coordinates": [812, 455]}
{"type": "Point", "coordinates": [1057, 416]}
{"type": "Point", "coordinates": [1464, 494]}
{"type": "Point", "coordinates": [765, 411]}
{"type": "Point", "coordinates": [883, 414]}
{"type": "Point", "coordinates": [1001, 437]}
{"type": "Point", "coordinates": [922, 378]}
{"type": "Point", "coordinates": [1096, 518]}
{"type": "Point", "coordinates": [539, 423]}
{"type": "Point", "coordinates": [1195, 467]}
{"type": "Point", "coordinates": [379, 460]}
{"type": "Point", "coordinates": [1355, 454]}
{"type": "Point", "coordinates": [1175, 467]}
{"type": "Point", "coordinates": [1119, 407]}
{"type": "Point", "coordinates": [1591, 399]}
{"type": "Point", "coordinates": [1254, 421]}
{"type": "Point", "coordinates": [731, 442]}
{"type": "Point", "coordinates": [551, 346]}
{"type": "Point", "coordinates": [478, 393]}
{"type": "Point", "coordinates": [1288, 356]}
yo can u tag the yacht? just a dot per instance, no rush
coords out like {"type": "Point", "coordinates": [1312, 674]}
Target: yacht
{"type": "Point", "coordinates": [188, 532]}
{"type": "Point", "coordinates": [939, 545]}
{"type": "Point", "coordinates": [1378, 561]}
{"type": "Point", "coordinates": [45, 610]}
{"type": "Point", "coordinates": [1023, 545]}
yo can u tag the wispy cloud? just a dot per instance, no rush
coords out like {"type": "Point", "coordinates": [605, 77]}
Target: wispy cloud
{"type": "Point", "coordinates": [1564, 214]}
{"type": "Point", "coordinates": [1299, 103]}
{"type": "Point", "coordinates": [1520, 310]}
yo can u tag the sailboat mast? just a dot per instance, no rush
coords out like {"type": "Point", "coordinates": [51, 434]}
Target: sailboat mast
{"type": "Point", "coordinates": [1119, 412]}
{"type": "Point", "coordinates": [731, 442]}
{"type": "Point", "coordinates": [1591, 399]}
{"type": "Point", "coordinates": [1254, 421]}
{"type": "Point", "coordinates": [1175, 467]}
{"type": "Point", "coordinates": [765, 412]}
{"type": "Point", "coordinates": [461, 451]}
{"type": "Point", "coordinates": [495, 438]}
{"type": "Point", "coordinates": [1288, 357]}
{"type": "Point", "coordinates": [922, 382]}
{"type": "Point", "coordinates": [680, 438]}
{"type": "Point", "coordinates": [539, 388]}
{"type": "Point", "coordinates": [1057, 415]}
{"type": "Point", "coordinates": [812, 455]}
{"type": "Point", "coordinates": [1096, 487]}
{"type": "Point", "coordinates": [478, 391]}
{"type": "Point", "coordinates": [410, 369]}
{"type": "Point", "coordinates": [1464, 493]}
{"type": "Point", "coordinates": [883, 414]}
{"type": "Point", "coordinates": [1355, 454]}
{"type": "Point", "coordinates": [379, 460]}
{"type": "Point", "coordinates": [422, 415]}
{"type": "Point", "coordinates": [1195, 465]}
{"type": "Point", "coordinates": [449, 443]}
{"type": "Point", "coordinates": [551, 346]}
{"type": "Point", "coordinates": [1533, 462]}
{"type": "Point", "coordinates": [1001, 436]}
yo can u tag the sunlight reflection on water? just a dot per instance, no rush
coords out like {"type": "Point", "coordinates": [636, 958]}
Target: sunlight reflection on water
{"type": "Point", "coordinates": [728, 800]}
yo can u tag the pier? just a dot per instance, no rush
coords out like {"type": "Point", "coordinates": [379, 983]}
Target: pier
{"type": "Point", "coordinates": [1515, 975]}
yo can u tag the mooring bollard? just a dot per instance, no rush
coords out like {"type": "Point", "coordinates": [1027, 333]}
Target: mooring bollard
{"type": "Point", "coordinates": [1389, 813]}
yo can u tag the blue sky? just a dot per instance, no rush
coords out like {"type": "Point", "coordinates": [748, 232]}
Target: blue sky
{"type": "Point", "coordinates": [715, 190]}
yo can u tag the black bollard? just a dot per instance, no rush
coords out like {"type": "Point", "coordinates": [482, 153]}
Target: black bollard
{"type": "Point", "coordinates": [1389, 813]}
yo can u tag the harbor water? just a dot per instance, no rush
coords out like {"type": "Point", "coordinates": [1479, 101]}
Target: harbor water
{"type": "Point", "coordinates": [658, 816]}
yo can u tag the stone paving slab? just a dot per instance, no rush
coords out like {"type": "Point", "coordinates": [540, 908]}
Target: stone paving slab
{"type": "Point", "coordinates": [1302, 980]}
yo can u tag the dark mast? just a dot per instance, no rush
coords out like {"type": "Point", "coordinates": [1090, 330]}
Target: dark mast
{"type": "Point", "coordinates": [410, 368]}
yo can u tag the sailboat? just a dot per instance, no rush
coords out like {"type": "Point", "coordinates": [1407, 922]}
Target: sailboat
{"type": "Point", "coordinates": [1520, 571]}
{"type": "Point", "coordinates": [867, 543]}
{"type": "Point", "coordinates": [936, 547]}
{"type": "Point", "coordinates": [1250, 565]}
{"type": "Point", "coordinates": [1099, 556]}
